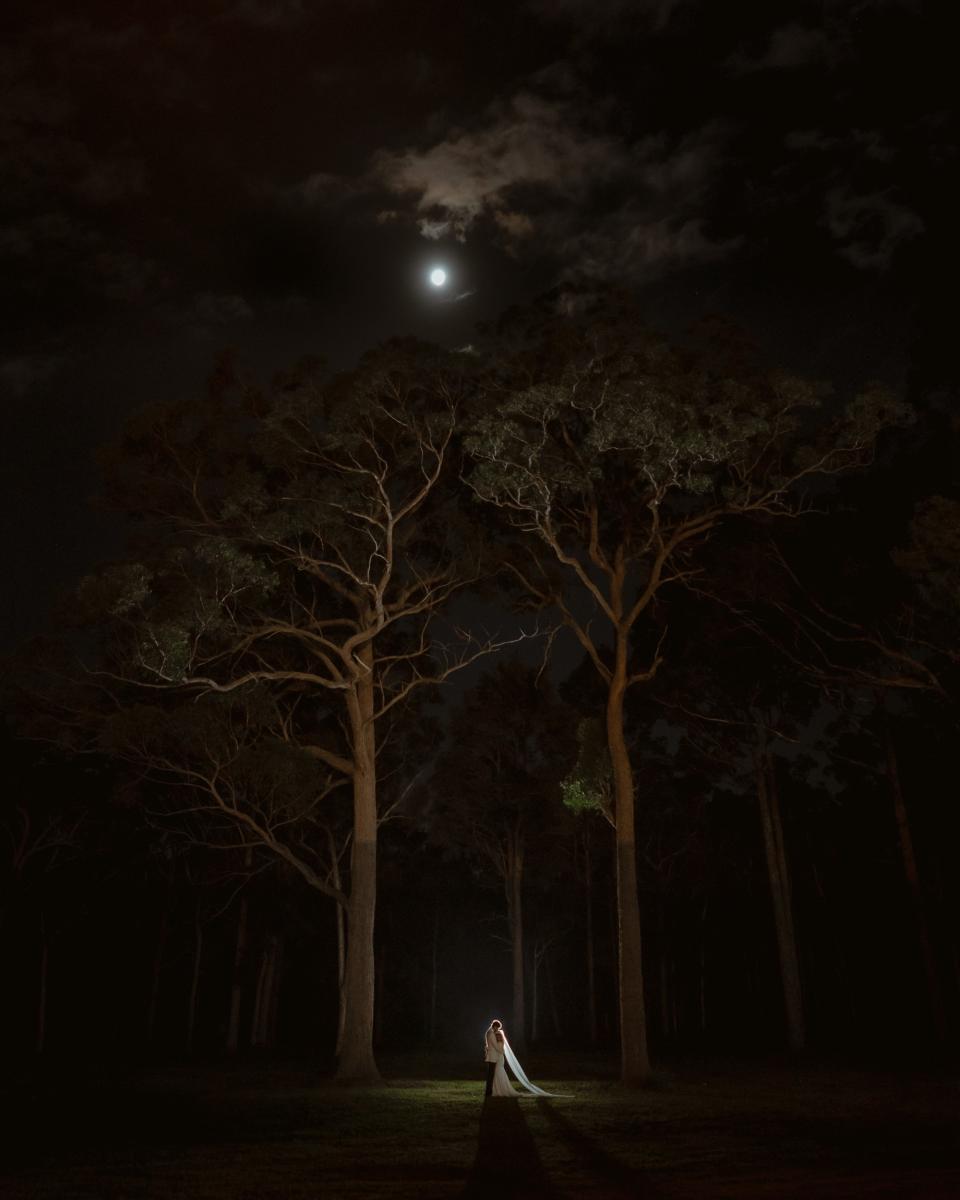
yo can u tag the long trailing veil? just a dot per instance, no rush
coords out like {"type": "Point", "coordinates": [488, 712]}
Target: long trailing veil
{"type": "Point", "coordinates": [519, 1072]}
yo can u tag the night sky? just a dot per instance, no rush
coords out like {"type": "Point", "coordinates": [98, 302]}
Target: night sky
{"type": "Point", "coordinates": [276, 178]}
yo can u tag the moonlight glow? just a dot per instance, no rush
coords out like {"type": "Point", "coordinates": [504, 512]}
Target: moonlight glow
{"type": "Point", "coordinates": [438, 277]}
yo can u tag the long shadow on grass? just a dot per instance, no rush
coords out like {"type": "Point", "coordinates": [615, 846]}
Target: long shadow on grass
{"type": "Point", "coordinates": [507, 1162]}
{"type": "Point", "coordinates": [616, 1178]}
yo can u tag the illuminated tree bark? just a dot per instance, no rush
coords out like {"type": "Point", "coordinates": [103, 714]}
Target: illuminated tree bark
{"type": "Point", "coordinates": [514, 889]}
{"type": "Point", "coordinates": [300, 554]}
{"type": "Point", "coordinates": [778, 873]}
{"type": "Point", "coordinates": [914, 889]}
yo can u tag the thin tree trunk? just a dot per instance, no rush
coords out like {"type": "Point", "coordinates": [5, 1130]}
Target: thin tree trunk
{"type": "Point", "coordinates": [432, 1024]}
{"type": "Point", "coordinates": [236, 975]}
{"type": "Point", "coordinates": [535, 1030]}
{"type": "Point", "coordinates": [912, 875]}
{"type": "Point", "coordinates": [275, 986]}
{"type": "Point", "coordinates": [40, 1039]}
{"type": "Point", "coordinates": [194, 983]}
{"type": "Point", "coordinates": [155, 974]}
{"type": "Point", "coordinates": [703, 971]}
{"type": "Point", "coordinates": [265, 993]}
{"type": "Point", "coordinates": [356, 1061]}
{"type": "Point", "coordinates": [664, 974]}
{"type": "Point", "coordinates": [780, 891]}
{"type": "Point", "coordinates": [518, 1036]}
{"type": "Point", "coordinates": [634, 1057]}
{"type": "Point", "coordinates": [341, 941]}
{"type": "Point", "coordinates": [664, 997]}
{"type": "Point", "coordinates": [379, 963]}
{"type": "Point", "coordinates": [552, 996]}
{"type": "Point", "coordinates": [260, 1002]}
{"type": "Point", "coordinates": [591, 964]}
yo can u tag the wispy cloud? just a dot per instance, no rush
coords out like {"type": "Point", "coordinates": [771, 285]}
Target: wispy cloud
{"type": "Point", "coordinates": [541, 175]}
{"type": "Point", "coordinates": [789, 47]}
{"type": "Point", "coordinates": [869, 228]}
{"type": "Point", "coordinates": [528, 142]}
{"type": "Point", "coordinates": [598, 16]}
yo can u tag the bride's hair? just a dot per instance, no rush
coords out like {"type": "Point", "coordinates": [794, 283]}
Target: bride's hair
{"type": "Point", "coordinates": [496, 1025]}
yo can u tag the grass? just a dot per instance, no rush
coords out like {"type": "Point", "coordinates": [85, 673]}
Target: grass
{"type": "Point", "coordinates": [251, 1132]}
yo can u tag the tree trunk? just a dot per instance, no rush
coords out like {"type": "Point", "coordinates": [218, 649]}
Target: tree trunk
{"type": "Point", "coordinates": [266, 993]}
{"type": "Point", "coordinates": [591, 964]}
{"type": "Point", "coordinates": [780, 891]}
{"type": "Point", "coordinates": [634, 1058]}
{"type": "Point", "coordinates": [934, 996]}
{"type": "Point", "coordinates": [155, 974]}
{"type": "Point", "coordinates": [194, 983]}
{"type": "Point", "coordinates": [552, 996]}
{"type": "Point", "coordinates": [40, 1037]}
{"type": "Point", "coordinates": [261, 1003]}
{"type": "Point", "coordinates": [341, 945]}
{"type": "Point", "coordinates": [518, 1034]}
{"type": "Point", "coordinates": [356, 1062]}
{"type": "Point", "coordinates": [379, 968]}
{"type": "Point", "coordinates": [432, 1023]}
{"type": "Point", "coordinates": [275, 985]}
{"type": "Point", "coordinates": [664, 973]}
{"type": "Point", "coordinates": [703, 971]}
{"type": "Point", "coordinates": [535, 1031]}
{"type": "Point", "coordinates": [236, 976]}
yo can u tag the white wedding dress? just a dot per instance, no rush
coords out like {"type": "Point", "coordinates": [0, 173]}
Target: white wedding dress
{"type": "Point", "coordinates": [501, 1082]}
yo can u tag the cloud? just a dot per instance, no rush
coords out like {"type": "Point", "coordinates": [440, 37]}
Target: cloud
{"type": "Point", "coordinates": [871, 143]}
{"type": "Point", "coordinates": [542, 176]}
{"type": "Point", "coordinates": [869, 228]}
{"type": "Point", "coordinates": [629, 245]}
{"type": "Point", "coordinates": [320, 189]}
{"type": "Point", "coordinates": [219, 308]}
{"type": "Point", "coordinates": [528, 142]}
{"type": "Point", "coordinates": [789, 47]}
{"type": "Point", "coordinates": [23, 374]}
{"type": "Point", "coordinates": [604, 15]}
{"type": "Point", "coordinates": [269, 14]}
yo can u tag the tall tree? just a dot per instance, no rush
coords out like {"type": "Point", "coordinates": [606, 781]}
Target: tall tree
{"type": "Point", "coordinates": [613, 457]}
{"type": "Point", "coordinates": [298, 543]}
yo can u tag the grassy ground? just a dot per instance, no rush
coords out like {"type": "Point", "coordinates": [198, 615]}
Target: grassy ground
{"type": "Point", "coordinates": [257, 1133]}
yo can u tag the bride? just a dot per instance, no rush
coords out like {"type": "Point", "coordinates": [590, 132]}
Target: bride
{"type": "Point", "coordinates": [496, 1048]}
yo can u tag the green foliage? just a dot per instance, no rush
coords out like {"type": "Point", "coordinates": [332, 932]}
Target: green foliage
{"type": "Point", "coordinates": [614, 416]}
{"type": "Point", "coordinates": [589, 785]}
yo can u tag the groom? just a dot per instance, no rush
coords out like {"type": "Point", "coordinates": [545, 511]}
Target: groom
{"type": "Point", "coordinates": [492, 1052]}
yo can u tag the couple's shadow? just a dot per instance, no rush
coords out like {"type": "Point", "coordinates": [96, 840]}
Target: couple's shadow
{"type": "Point", "coordinates": [507, 1162]}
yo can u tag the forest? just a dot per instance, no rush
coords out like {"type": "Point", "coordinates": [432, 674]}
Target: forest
{"type": "Point", "coordinates": [595, 681]}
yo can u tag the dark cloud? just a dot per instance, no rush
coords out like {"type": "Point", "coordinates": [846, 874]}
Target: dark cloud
{"type": "Point", "coordinates": [23, 375]}
{"type": "Point", "coordinates": [869, 143]}
{"type": "Point", "coordinates": [271, 14]}
{"type": "Point", "coordinates": [212, 310]}
{"type": "Point", "coordinates": [605, 15]}
{"type": "Point", "coordinates": [869, 228]}
{"type": "Point", "coordinates": [788, 47]}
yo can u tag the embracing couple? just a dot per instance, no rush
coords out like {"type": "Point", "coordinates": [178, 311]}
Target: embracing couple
{"type": "Point", "coordinates": [497, 1054]}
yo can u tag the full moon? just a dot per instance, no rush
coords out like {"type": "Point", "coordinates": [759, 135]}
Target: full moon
{"type": "Point", "coordinates": [438, 277]}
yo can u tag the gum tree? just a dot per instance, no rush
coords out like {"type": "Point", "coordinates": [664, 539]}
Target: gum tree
{"type": "Point", "coordinates": [612, 456]}
{"type": "Point", "coordinates": [298, 544]}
